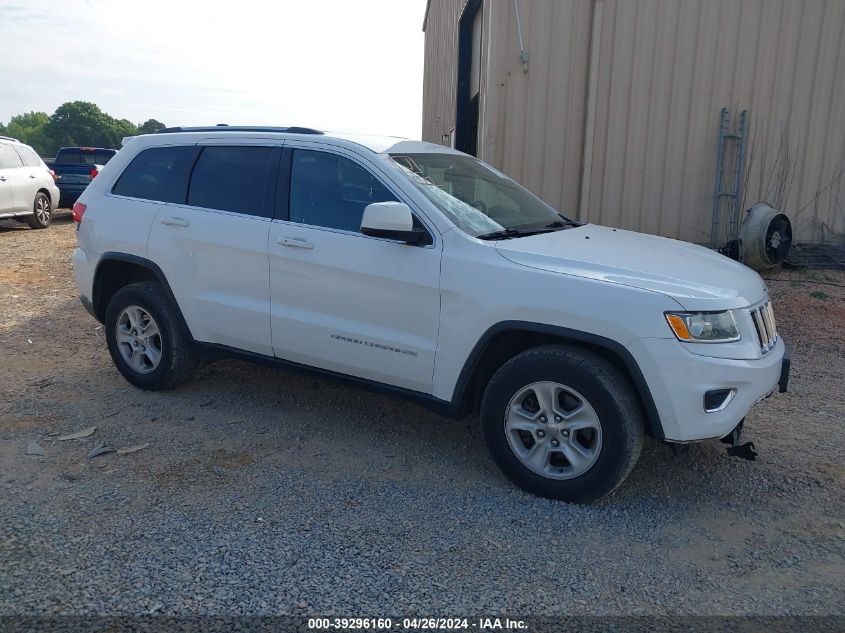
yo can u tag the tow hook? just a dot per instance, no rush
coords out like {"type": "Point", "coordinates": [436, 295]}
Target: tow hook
{"type": "Point", "coordinates": [745, 451]}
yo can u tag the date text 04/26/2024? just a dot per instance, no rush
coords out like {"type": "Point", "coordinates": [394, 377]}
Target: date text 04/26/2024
{"type": "Point", "coordinates": [417, 624]}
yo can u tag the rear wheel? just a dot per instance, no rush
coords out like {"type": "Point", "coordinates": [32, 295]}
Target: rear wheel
{"type": "Point", "coordinates": [42, 213]}
{"type": "Point", "coordinates": [146, 339]}
{"type": "Point", "coordinates": [562, 422]}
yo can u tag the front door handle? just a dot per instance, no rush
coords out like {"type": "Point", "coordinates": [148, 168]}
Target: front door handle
{"type": "Point", "coordinates": [295, 242]}
{"type": "Point", "coordinates": [175, 221]}
{"type": "Point", "coordinates": [2, 178]}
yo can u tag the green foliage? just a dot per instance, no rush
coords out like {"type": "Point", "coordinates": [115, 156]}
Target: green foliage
{"type": "Point", "coordinates": [29, 126]}
{"type": "Point", "coordinates": [76, 123]}
{"type": "Point", "coordinates": [150, 126]}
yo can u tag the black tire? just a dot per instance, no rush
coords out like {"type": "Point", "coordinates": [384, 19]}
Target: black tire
{"type": "Point", "coordinates": [178, 361]}
{"type": "Point", "coordinates": [42, 212]}
{"type": "Point", "coordinates": [607, 391]}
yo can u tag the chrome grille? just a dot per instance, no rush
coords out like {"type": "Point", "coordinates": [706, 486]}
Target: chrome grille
{"type": "Point", "coordinates": [764, 322]}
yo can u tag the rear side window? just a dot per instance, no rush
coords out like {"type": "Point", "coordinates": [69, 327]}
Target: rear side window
{"type": "Point", "coordinates": [157, 173]}
{"type": "Point", "coordinates": [9, 158]}
{"type": "Point", "coordinates": [231, 179]}
{"type": "Point", "coordinates": [85, 156]}
{"type": "Point", "coordinates": [332, 191]}
{"type": "Point", "coordinates": [101, 157]}
{"type": "Point", "coordinates": [29, 157]}
{"type": "Point", "coordinates": [74, 156]}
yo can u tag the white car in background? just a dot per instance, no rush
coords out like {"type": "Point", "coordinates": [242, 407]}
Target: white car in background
{"type": "Point", "coordinates": [425, 272]}
{"type": "Point", "coordinates": [27, 190]}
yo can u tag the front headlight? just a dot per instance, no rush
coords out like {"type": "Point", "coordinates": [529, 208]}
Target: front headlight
{"type": "Point", "coordinates": [704, 327]}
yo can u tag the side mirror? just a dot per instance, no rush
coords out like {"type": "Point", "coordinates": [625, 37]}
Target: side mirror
{"type": "Point", "coordinates": [391, 220]}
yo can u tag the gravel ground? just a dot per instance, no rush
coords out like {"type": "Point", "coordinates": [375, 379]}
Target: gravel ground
{"type": "Point", "coordinates": [267, 492]}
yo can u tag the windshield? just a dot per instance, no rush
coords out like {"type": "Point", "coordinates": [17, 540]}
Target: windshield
{"type": "Point", "coordinates": [480, 200]}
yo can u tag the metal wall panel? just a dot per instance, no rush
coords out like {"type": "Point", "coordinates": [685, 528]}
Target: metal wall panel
{"type": "Point", "coordinates": [639, 117]}
{"type": "Point", "coordinates": [440, 76]}
{"type": "Point", "coordinates": [532, 124]}
{"type": "Point", "coordinates": [666, 68]}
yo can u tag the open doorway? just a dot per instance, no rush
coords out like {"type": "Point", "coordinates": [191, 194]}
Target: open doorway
{"type": "Point", "coordinates": [469, 78]}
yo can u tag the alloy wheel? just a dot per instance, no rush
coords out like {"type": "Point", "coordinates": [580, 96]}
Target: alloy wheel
{"type": "Point", "coordinates": [42, 209]}
{"type": "Point", "coordinates": [138, 339]}
{"type": "Point", "coordinates": [553, 430]}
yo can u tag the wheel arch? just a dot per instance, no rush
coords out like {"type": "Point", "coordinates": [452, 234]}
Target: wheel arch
{"type": "Point", "coordinates": [116, 270]}
{"type": "Point", "coordinates": [506, 339]}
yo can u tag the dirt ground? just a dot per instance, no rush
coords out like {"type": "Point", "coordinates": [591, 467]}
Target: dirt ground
{"type": "Point", "coordinates": [707, 533]}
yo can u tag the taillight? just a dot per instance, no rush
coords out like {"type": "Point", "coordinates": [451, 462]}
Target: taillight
{"type": "Point", "coordinates": [94, 172]}
{"type": "Point", "coordinates": [78, 212]}
{"type": "Point", "coordinates": [52, 174]}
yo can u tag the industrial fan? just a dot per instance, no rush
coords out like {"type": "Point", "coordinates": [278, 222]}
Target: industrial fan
{"type": "Point", "coordinates": [765, 237]}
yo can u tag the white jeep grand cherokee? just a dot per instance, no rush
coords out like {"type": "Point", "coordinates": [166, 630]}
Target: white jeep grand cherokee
{"type": "Point", "coordinates": [423, 271]}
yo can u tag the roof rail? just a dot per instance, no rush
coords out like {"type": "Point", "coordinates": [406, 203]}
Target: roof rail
{"type": "Point", "coordinates": [222, 127]}
{"type": "Point", "coordinates": [9, 138]}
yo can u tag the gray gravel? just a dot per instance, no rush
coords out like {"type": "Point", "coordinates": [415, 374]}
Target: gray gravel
{"type": "Point", "coordinates": [268, 492]}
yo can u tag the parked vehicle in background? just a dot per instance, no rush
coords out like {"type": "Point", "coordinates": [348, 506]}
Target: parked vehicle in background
{"type": "Point", "coordinates": [422, 270]}
{"type": "Point", "coordinates": [75, 168]}
{"type": "Point", "coordinates": [28, 192]}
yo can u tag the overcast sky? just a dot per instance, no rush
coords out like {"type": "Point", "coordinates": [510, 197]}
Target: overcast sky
{"type": "Point", "coordinates": [341, 65]}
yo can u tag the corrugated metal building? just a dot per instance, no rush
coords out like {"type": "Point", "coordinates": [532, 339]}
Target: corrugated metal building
{"type": "Point", "coordinates": [610, 109]}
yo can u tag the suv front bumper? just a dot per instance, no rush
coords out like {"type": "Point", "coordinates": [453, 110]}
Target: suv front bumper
{"type": "Point", "coordinates": [678, 381]}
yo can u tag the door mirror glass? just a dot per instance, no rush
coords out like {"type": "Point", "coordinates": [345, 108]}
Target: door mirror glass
{"type": "Point", "coordinates": [391, 220]}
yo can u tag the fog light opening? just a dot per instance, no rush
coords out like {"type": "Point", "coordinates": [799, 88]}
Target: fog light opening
{"type": "Point", "coordinates": [718, 399]}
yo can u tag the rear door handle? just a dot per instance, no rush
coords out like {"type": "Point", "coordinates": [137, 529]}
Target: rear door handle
{"type": "Point", "coordinates": [3, 178]}
{"type": "Point", "coordinates": [32, 175]}
{"type": "Point", "coordinates": [175, 221]}
{"type": "Point", "coordinates": [295, 242]}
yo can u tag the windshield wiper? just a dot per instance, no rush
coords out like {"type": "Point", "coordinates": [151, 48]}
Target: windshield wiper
{"type": "Point", "coordinates": [562, 224]}
{"type": "Point", "coordinates": [504, 234]}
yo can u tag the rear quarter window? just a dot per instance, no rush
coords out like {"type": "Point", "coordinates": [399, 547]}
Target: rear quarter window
{"type": "Point", "coordinates": [9, 158]}
{"type": "Point", "coordinates": [28, 156]}
{"type": "Point", "coordinates": [157, 173]}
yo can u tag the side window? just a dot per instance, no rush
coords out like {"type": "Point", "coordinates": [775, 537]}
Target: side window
{"type": "Point", "coordinates": [29, 158]}
{"type": "Point", "coordinates": [157, 173]}
{"type": "Point", "coordinates": [231, 179]}
{"type": "Point", "coordinates": [331, 191]}
{"type": "Point", "coordinates": [69, 156]}
{"type": "Point", "coordinates": [102, 157]}
{"type": "Point", "coordinates": [9, 158]}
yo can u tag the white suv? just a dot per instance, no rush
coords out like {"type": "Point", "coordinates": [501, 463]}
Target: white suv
{"type": "Point", "coordinates": [421, 270]}
{"type": "Point", "coordinates": [28, 192]}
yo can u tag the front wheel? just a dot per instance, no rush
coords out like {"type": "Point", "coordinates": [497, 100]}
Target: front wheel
{"type": "Point", "coordinates": [562, 422]}
{"type": "Point", "coordinates": [42, 212]}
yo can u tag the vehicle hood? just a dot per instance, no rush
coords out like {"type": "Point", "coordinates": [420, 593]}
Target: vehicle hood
{"type": "Point", "coordinates": [696, 277]}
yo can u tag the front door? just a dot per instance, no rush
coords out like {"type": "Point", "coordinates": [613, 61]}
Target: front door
{"type": "Point", "coordinates": [343, 301]}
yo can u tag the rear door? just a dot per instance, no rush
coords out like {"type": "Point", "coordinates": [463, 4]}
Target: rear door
{"type": "Point", "coordinates": [6, 205]}
{"type": "Point", "coordinates": [212, 247]}
{"type": "Point", "coordinates": [33, 169]}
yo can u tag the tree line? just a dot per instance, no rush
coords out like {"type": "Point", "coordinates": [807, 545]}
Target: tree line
{"type": "Point", "coordinates": [75, 123]}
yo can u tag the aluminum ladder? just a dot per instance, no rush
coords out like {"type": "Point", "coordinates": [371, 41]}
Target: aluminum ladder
{"type": "Point", "coordinates": [730, 144]}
